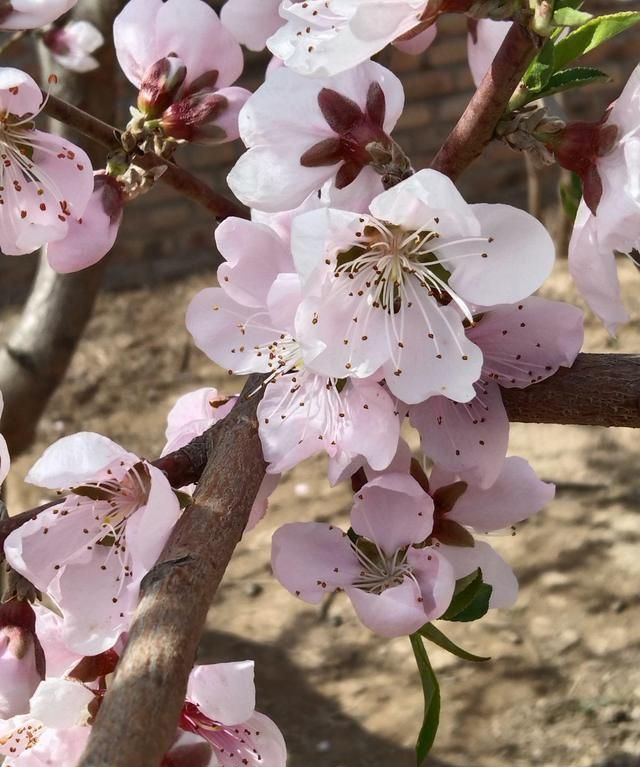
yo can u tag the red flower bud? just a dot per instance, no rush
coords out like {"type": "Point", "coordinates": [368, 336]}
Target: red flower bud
{"type": "Point", "coordinates": [160, 85]}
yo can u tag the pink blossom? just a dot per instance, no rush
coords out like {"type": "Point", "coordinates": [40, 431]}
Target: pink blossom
{"type": "Point", "coordinates": [247, 326]}
{"type": "Point", "coordinates": [613, 227]}
{"type": "Point", "coordinates": [73, 44]}
{"type": "Point", "coordinates": [45, 179]}
{"type": "Point", "coordinates": [90, 551]}
{"type": "Point", "coordinates": [191, 416]}
{"type": "Point", "coordinates": [5, 461]}
{"type": "Point", "coordinates": [390, 290]}
{"type": "Point", "coordinates": [60, 659]}
{"type": "Point", "coordinates": [323, 38]}
{"type": "Point", "coordinates": [55, 727]}
{"type": "Point", "coordinates": [516, 494]}
{"type": "Point", "coordinates": [53, 747]}
{"type": "Point", "coordinates": [91, 236]}
{"type": "Point", "coordinates": [186, 39]}
{"type": "Point", "coordinates": [302, 133]}
{"type": "Point", "coordinates": [394, 586]}
{"type": "Point", "coordinates": [220, 708]}
{"type": "Point", "coordinates": [21, 658]}
{"type": "Point", "coordinates": [521, 345]}
{"type": "Point", "coordinates": [29, 14]}
{"type": "Point", "coordinates": [483, 42]}
{"type": "Point", "coordinates": [251, 22]}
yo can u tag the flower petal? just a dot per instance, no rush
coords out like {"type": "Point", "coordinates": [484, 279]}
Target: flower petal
{"type": "Point", "coordinates": [311, 559]}
{"type": "Point", "coordinates": [225, 692]}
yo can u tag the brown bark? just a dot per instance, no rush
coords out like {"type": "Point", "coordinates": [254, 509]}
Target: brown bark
{"type": "Point", "coordinates": [599, 390]}
{"type": "Point", "coordinates": [137, 721]}
{"type": "Point", "coordinates": [474, 130]}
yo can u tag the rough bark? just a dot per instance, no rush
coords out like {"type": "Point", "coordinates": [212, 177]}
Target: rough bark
{"type": "Point", "coordinates": [475, 129]}
{"type": "Point", "coordinates": [136, 723]}
{"type": "Point", "coordinates": [599, 390]}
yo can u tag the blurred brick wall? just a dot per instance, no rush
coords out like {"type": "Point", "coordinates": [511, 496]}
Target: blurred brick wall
{"type": "Point", "coordinates": [164, 237]}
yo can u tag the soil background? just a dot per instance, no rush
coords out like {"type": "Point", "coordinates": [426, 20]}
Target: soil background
{"type": "Point", "coordinates": [563, 686]}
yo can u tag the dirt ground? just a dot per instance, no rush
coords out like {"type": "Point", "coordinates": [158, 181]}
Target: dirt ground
{"type": "Point", "coordinates": [563, 686]}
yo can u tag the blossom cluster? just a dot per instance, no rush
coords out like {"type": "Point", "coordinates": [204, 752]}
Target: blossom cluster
{"type": "Point", "coordinates": [375, 302]}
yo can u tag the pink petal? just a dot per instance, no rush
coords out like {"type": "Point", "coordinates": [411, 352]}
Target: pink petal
{"type": "Point", "coordinates": [54, 747]}
{"type": "Point", "coordinates": [20, 95]}
{"type": "Point", "coordinates": [76, 459]}
{"type": "Point", "coordinates": [261, 503]}
{"type": "Point", "coordinates": [85, 593]}
{"type": "Point", "coordinates": [234, 336]}
{"type": "Point", "coordinates": [246, 275]}
{"type": "Point", "coordinates": [393, 511]}
{"type": "Point", "coordinates": [148, 529]}
{"type": "Point", "coordinates": [483, 44]}
{"type": "Point", "coordinates": [61, 703]}
{"type": "Point", "coordinates": [427, 196]}
{"type": "Point", "coordinates": [41, 547]}
{"type": "Point", "coordinates": [436, 578]}
{"type": "Point", "coordinates": [514, 260]}
{"type": "Point", "coordinates": [527, 342]}
{"type": "Point", "coordinates": [593, 268]}
{"type": "Point", "coordinates": [311, 559]}
{"type": "Point", "coordinates": [49, 628]}
{"type": "Point", "coordinates": [396, 612]}
{"type": "Point", "coordinates": [251, 23]}
{"type": "Point", "coordinates": [419, 43]}
{"type": "Point", "coordinates": [193, 414]}
{"type": "Point", "coordinates": [514, 496]}
{"type": "Point", "coordinates": [225, 692]}
{"type": "Point", "coordinates": [466, 438]}
{"type": "Point", "coordinates": [91, 236]}
{"type": "Point", "coordinates": [29, 14]}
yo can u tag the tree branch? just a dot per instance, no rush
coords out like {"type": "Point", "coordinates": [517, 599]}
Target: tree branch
{"type": "Point", "coordinates": [137, 721]}
{"type": "Point", "coordinates": [599, 390]}
{"type": "Point", "coordinates": [176, 177]}
{"type": "Point", "coordinates": [474, 130]}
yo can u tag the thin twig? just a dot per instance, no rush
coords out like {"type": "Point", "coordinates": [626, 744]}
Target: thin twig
{"type": "Point", "coordinates": [180, 179]}
{"type": "Point", "coordinates": [15, 38]}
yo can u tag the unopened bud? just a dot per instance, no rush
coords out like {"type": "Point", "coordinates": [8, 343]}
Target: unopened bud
{"type": "Point", "coordinates": [21, 658]}
{"type": "Point", "coordinates": [578, 147]}
{"type": "Point", "coordinates": [160, 85]}
{"type": "Point", "coordinates": [206, 117]}
{"type": "Point", "coordinates": [542, 22]}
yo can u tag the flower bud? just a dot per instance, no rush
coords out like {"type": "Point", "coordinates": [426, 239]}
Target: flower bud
{"type": "Point", "coordinates": [208, 117]}
{"type": "Point", "coordinates": [21, 658]}
{"type": "Point", "coordinates": [578, 147]}
{"type": "Point", "coordinates": [160, 85]}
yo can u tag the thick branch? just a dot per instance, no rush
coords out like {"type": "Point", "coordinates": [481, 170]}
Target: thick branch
{"type": "Point", "coordinates": [599, 390]}
{"type": "Point", "coordinates": [137, 721]}
{"type": "Point", "coordinates": [180, 179]}
{"type": "Point", "coordinates": [475, 128]}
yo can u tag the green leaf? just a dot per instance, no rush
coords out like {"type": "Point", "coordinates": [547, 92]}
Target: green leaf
{"type": "Point", "coordinates": [570, 17]}
{"type": "Point", "coordinates": [431, 692]}
{"type": "Point", "coordinates": [430, 632]}
{"type": "Point", "coordinates": [470, 599]}
{"type": "Point", "coordinates": [541, 68]}
{"type": "Point", "coordinates": [463, 594]}
{"type": "Point", "coordinates": [478, 607]}
{"type": "Point", "coordinates": [591, 35]}
{"type": "Point", "coordinates": [574, 78]}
